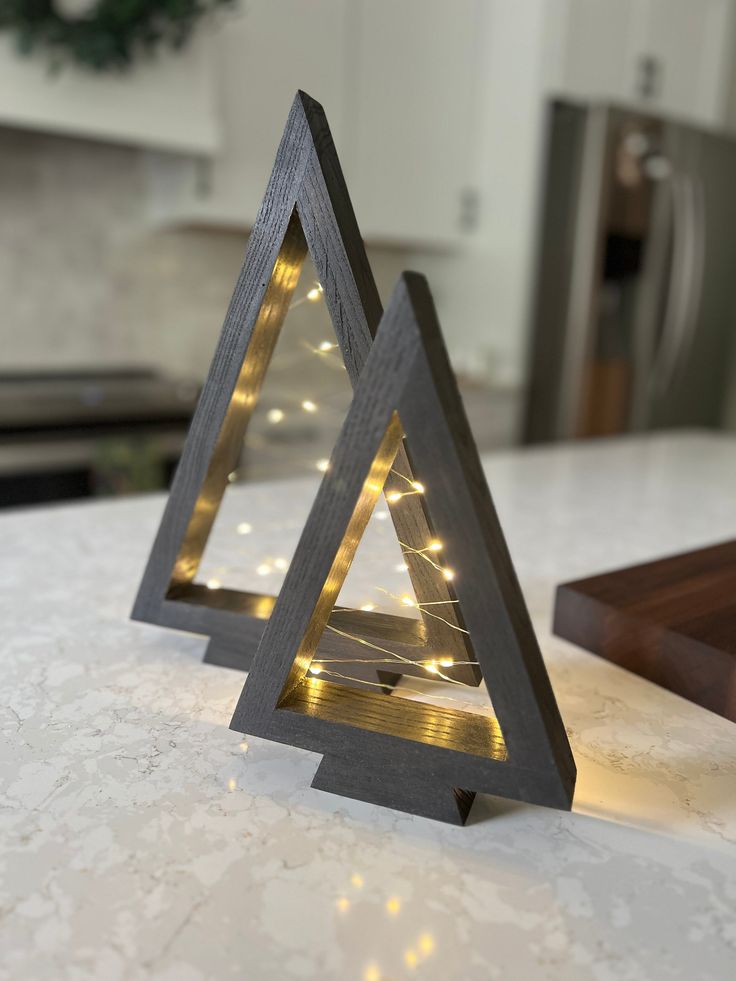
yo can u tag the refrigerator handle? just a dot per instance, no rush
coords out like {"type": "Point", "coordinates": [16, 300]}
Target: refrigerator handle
{"type": "Point", "coordinates": [694, 298]}
{"type": "Point", "coordinates": [686, 282]}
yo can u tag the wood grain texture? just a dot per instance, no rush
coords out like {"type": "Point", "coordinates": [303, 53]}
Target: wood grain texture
{"type": "Point", "coordinates": [390, 787]}
{"type": "Point", "coordinates": [464, 732]}
{"type": "Point", "coordinates": [434, 750]}
{"type": "Point", "coordinates": [306, 205]}
{"type": "Point", "coordinates": [672, 621]}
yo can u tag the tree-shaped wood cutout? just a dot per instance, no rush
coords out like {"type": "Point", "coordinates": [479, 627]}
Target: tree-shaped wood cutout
{"type": "Point", "coordinates": [306, 206]}
{"type": "Point", "coordinates": [421, 758]}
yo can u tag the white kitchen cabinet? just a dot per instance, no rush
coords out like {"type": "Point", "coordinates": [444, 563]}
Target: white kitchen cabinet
{"type": "Point", "coordinates": [397, 81]}
{"type": "Point", "coordinates": [167, 102]}
{"type": "Point", "coordinates": [597, 42]}
{"type": "Point", "coordinates": [672, 57]}
{"type": "Point", "coordinates": [682, 48]}
{"type": "Point", "coordinates": [265, 53]}
{"type": "Point", "coordinates": [414, 86]}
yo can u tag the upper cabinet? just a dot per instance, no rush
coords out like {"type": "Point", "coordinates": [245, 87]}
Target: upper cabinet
{"type": "Point", "coordinates": [167, 102]}
{"type": "Point", "coordinates": [680, 56]}
{"type": "Point", "coordinates": [663, 56]}
{"type": "Point", "coordinates": [594, 64]}
{"type": "Point", "coordinates": [413, 82]}
{"type": "Point", "coordinates": [265, 52]}
{"type": "Point", "coordinates": [405, 87]}
{"type": "Point", "coordinates": [397, 81]}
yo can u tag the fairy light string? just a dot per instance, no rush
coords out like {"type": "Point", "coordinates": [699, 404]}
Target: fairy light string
{"type": "Point", "coordinates": [328, 352]}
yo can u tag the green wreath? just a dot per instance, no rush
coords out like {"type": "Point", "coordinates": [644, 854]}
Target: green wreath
{"type": "Point", "coordinates": [102, 34]}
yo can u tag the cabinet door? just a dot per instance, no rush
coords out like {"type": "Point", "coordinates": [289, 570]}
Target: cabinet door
{"type": "Point", "coordinates": [266, 51]}
{"type": "Point", "coordinates": [597, 45]}
{"type": "Point", "coordinates": [142, 107]}
{"type": "Point", "coordinates": [412, 83]}
{"type": "Point", "coordinates": [680, 55]}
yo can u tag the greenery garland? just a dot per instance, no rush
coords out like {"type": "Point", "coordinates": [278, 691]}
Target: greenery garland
{"type": "Point", "coordinates": [102, 34]}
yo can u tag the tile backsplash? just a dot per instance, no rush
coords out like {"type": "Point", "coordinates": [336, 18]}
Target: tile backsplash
{"type": "Point", "coordinates": [87, 280]}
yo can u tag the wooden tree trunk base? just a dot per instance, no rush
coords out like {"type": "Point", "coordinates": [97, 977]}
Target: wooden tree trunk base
{"type": "Point", "coordinates": [223, 655]}
{"type": "Point", "coordinates": [380, 786]}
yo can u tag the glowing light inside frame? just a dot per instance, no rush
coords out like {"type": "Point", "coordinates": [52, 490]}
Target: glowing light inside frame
{"type": "Point", "coordinates": [310, 406]}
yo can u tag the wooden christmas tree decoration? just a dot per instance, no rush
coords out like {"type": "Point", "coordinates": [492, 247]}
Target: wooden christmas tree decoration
{"type": "Point", "coordinates": [393, 751]}
{"type": "Point", "coordinates": [306, 207]}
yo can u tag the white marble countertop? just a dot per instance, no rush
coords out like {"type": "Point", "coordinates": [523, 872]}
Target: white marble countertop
{"type": "Point", "coordinates": [139, 839]}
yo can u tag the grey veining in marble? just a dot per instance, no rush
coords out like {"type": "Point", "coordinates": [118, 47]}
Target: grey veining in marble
{"type": "Point", "coordinates": [140, 839]}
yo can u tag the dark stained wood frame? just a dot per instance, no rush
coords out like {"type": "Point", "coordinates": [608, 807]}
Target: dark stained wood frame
{"type": "Point", "coordinates": [390, 750]}
{"type": "Point", "coordinates": [306, 206]}
{"type": "Point", "coordinates": [671, 621]}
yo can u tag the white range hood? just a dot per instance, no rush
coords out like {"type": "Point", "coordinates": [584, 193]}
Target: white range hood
{"type": "Point", "coordinates": [166, 102]}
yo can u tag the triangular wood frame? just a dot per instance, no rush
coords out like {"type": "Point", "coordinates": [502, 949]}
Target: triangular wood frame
{"type": "Point", "coordinates": [389, 750]}
{"type": "Point", "coordinates": [306, 206]}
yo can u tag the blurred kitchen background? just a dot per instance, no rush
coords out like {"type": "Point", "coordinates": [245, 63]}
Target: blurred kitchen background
{"type": "Point", "coordinates": [562, 170]}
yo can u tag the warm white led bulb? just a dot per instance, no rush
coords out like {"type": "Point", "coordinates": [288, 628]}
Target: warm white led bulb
{"type": "Point", "coordinates": [407, 601]}
{"type": "Point", "coordinates": [434, 546]}
{"type": "Point", "coordinates": [213, 583]}
{"type": "Point", "coordinates": [327, 346]}
{"type": "Point", "coordinates": [244, 528]}
{"type": "Point", "coordinates": [309, 406]}
{"type": "Point", "coordinates": [322, 465]}
{"type": "Point", "coordinates": [367, 607]}
{"type": "Point", "coordinates": [448, 574]}
{"type": "Point", "coordinates": [393, 497]}
{"type": "Point", "coordinates": [275, 416]}
{"type": "Point", "coordinates": [315, 669]}
{"type": "Point", "coordinates": [419, 488]}
{"type": "Point", "coordinates": [264, 569]}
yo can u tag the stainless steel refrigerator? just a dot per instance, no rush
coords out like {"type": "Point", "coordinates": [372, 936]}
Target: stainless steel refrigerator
{"type": "Point", "coordinates": [634, 314]}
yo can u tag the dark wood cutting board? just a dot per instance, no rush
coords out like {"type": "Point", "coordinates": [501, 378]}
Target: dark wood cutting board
{"type": "Point", "coordinates": [672, 621]}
